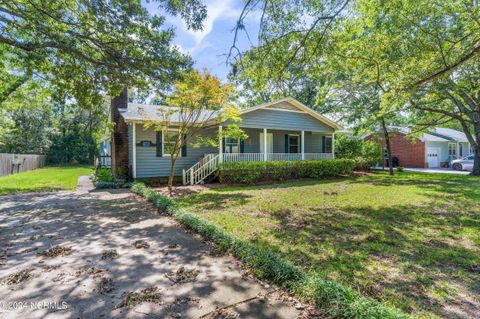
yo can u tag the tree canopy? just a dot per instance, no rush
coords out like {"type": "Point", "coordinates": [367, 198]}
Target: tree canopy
{"type": "Point", "coordinates": [61, 59]}
{"type": "Point", "coordinates": [88, 47]}
{"type": "Point", "coordinates": [375, 59]}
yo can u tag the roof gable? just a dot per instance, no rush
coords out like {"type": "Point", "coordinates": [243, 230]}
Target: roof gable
{"type": "Point", "coordinates": [289, 104]}
{"type": "Point", "coordinates": [144, 112]}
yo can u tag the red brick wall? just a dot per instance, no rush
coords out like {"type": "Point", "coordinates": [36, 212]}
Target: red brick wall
{"type": "Point", "coordinates": [410, 153]}
{"type": "Point", "coordinates": [120, 133]}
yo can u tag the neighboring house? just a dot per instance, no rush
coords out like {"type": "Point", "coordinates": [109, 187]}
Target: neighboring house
{"type": "Point", "coordinates": [283, 130]}
{"type": "Point", "coordinates": [437, 148]}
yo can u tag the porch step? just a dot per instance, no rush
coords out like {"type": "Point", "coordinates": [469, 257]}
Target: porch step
{"type": "Point", "coordinates": [201, 170]}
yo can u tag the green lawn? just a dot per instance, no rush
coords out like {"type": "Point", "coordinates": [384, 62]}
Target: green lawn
{"type": "Point", "coordinates": [43, 179]}
{"type": "Point", "coordinates": [412, 240]}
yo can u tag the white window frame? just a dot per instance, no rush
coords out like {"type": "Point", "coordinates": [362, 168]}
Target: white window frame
{"type": "Point", "coordinates": [226, 146]}
{"type": "Point", "coordinates": [163, 143]}
{"type": "Point", "coordinates": [454, 148]}
{"type": "Point", "coordinates": [298, 143]}
{"type": "Point", "coordinates": [331, 144]}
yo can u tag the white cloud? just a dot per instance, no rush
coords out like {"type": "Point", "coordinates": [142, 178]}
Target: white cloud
{"type": "Point", "coordinates": [216, 10]}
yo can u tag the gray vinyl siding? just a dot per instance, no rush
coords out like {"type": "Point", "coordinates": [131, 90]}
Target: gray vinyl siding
{"type": "Point", "coordinates": [313, 141]}
{"type": "Point", "coordinates": [149, 165]}
{"type": "Point", "coordinates": [252, 143]}
{"type": "Point", "coordinates": [283, 120]}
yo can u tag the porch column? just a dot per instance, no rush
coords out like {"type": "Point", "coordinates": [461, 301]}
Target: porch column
{"type": "Point", "coordinates": [265, 147]}
{"type": "Point", "coordinates": [134, 151]}
{"type": "Point", "coordinates": [333, 145]}
{"type": "Point", "coordinates": [220, 144]}
{"type": "Point", "coordinates": [302, 140]}
{"type": "Point", "coordinates": [457, 150]}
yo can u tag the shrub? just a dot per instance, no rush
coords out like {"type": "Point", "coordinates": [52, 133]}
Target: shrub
{"type": "Point", "coordinates": [348, 146]}
{"type": "Point", "coordinates": [333, 299]}
{"type": "Point", "coordinates": [253, 172]}
{"type": "Point", "coordinates": [365, 153]}
{"type": "Point", "coordinates": [399, 168]}
{"type": "Point", "coordinates": [102, 184]}
{"type": "Point", "coordinates": [372, 153]}
{"type": "Point", "coordinates": [104, 174]}
{"type": "Point", "coordinates": [362, 164]}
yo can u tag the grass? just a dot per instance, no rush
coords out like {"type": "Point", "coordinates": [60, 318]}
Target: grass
{"type": "Point", "coordinates": [43, 179]}
{"type": "Point", "coordinates": [410, 241]}
{"type": "Point", "coordinates": [332, 299]}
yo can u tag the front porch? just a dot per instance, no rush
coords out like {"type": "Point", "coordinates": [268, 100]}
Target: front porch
{"type": "Point", "coordinates": [264, 145]}
{"type": "Point", "coordinates": [277, 145]}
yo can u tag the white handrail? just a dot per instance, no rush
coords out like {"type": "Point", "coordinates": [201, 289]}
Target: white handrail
{"type": "Point", "coordinates": [201, 170]}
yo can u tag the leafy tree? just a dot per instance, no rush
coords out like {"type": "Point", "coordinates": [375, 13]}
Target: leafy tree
{"type": "Point", "coordinates": [28, 120]}
{"type": "Point", "coordinates": [257, 82]}
{"type": "Point", "coordinates": [424, 55]}
{"type": "Point", "coordinates": [416, 57]}
{"type": "Point", "coordinates": [198, 98]}
{"type": "Point", "coordinates": [89, 47]}
{"type": "Point", "coordinates": [78, 131]}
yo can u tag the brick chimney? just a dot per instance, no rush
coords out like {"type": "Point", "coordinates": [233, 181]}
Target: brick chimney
{"type": "Point", "coordinates": [119, 134]}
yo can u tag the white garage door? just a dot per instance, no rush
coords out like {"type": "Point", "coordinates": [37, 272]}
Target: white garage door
{"type": "Point", "coordinates": [432, 157]}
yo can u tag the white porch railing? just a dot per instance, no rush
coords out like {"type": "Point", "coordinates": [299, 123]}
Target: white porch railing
{"type": "Point", "coordinates": [317, 156]}
{"type": "Point", "coordinates": [209, 164]}
{"type": "Point", "coordinates": [259, 157]}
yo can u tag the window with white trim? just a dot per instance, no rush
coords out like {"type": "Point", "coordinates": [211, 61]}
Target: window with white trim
{"type": "Point", "coordinates": [293, 144]}
{"type": "Point", "coordinates": [232, 145]}
{"type": "Point", "coordinates": [452, 149]}
{"type": "Point", "coordinates": [328, 144]}
{"type": "Point", "coordinates": [169, 140]}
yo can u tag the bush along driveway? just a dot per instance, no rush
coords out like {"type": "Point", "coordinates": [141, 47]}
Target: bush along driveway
{"type": "Point", "coordinates": [331, 298]}
{"type": "Point", "coordinates": [108, 254]}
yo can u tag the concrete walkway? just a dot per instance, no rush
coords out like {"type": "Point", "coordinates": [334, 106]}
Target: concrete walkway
{"type": "Point", "coordinates": [109, 246]}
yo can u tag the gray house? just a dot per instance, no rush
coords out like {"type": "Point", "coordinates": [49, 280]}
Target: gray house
{"type": "Point", "coordinates": [284, 130]}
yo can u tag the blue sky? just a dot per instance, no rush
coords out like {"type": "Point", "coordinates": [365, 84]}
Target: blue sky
{"type": "Point", "coordinates": [208, 47]}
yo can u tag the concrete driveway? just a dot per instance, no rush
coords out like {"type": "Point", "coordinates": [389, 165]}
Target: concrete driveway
{"type": "Point", "coordinates": [111, 255]}
{"type": "Point", "coordinates": [437, 170]}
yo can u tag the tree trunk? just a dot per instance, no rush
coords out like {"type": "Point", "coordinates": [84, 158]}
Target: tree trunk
{"type": "Point", "coordinates": [387, 144]}
{"type": "Point", "coordinates": [172, 173]}
{"type": "Point", "coordinates": [476, 161]}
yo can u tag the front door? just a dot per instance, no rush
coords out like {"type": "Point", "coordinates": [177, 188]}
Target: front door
{"type": "Point", "coordinates": [433, 157]}
{"type": "Point", "coordinates": [269, 143]}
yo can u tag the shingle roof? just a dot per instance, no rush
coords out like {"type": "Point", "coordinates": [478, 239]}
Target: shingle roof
{"type": "Point", "coordinates": [145, 112]}
{"type": "Point", "coordinates": [437, 134]}
{"type": "Point", "coordinates": [448, 133]}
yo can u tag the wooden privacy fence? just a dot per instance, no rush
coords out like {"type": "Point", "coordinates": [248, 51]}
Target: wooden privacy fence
{"type": "Point", "coordinates": [17, 163]}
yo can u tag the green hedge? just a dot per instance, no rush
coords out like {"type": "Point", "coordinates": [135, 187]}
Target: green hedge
{"type": "Point", "coordinates": [253, 172]}
{"type": "Point", "coordinates": [333, 299]}
{"type": "Point", "coordinates": [102, 184]}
